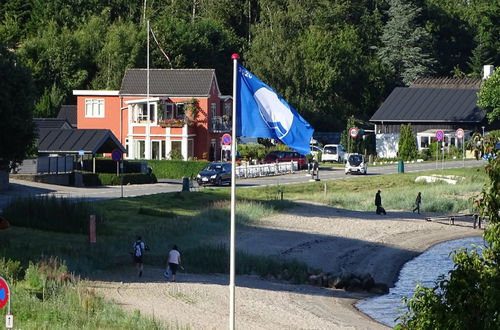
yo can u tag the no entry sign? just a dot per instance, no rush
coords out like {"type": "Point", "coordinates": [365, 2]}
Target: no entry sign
{"type": "Point", "coordinates": [4, 292]}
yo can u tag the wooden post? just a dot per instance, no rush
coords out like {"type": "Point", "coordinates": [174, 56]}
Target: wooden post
{"type": "Point", "coordinates": [92, 229]}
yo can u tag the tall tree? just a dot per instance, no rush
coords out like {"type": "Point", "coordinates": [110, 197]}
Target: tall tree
{"type": "Point", "coordinates": [16, 120]}
{"type": "Point", "coordinates": [489, 96]}
{"type": "Point", "coordinates": [405, 43]}
{"type": "Point", "coordinates": [407, 144]}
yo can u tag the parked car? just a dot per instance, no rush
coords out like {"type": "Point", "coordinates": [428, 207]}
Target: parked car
{"type": "Point", "coordinates": [215, 173]}
{"type": "Point", "coordinates": [332, 153]}
{"type": "Point", "coordinates": [356, 163]}
{"type": "Point", "coordinates": [280, 156]}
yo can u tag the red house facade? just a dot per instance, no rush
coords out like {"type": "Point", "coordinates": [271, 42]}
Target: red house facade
{"type": "Point", "coordinates": [187, 114]}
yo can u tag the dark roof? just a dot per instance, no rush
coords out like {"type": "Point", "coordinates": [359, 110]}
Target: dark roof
{"type": "Point", "coordinates": [68, 112]}
{"type": "Point", "coordinates": [430, 105]}
{"type": "Point", "coordinates": [168, 82]}
{"type": "Point", "coordinates": [71, 141]}
{"type": "Point", "coordinates": [446, 82]}
{"type": "Point", "coordinates": [49, 123]}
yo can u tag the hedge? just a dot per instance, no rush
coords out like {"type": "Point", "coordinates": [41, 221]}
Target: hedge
{"type": "Point", "coordinates": [107, 179]}
{"type": "Point", "coordinates": [176, 169]}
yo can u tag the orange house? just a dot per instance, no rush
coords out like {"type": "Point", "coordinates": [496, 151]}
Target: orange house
{"type": "Point", "coordinates": [187, 114]}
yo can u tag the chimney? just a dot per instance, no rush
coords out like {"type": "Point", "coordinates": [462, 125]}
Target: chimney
{"type": "Point", "coordinates": [487, 71]}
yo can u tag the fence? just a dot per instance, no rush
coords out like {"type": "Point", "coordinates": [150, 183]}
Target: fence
{"type": "Point", "coordinates": [50, 165]}
{"type": "Point", "coordinates": [253, 171]}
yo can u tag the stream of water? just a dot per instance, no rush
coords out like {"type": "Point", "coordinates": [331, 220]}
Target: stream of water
{"type": "Point", "coordinates": [423, 269]}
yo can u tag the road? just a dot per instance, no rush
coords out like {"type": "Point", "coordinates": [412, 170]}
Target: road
{"type": "Point", "coordinates": [25, 188]}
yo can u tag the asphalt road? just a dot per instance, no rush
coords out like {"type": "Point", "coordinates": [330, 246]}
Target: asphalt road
{"type": "Point", "coordinates": [24, 188]}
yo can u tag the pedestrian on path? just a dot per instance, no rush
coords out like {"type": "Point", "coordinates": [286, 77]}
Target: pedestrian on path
{"type": "Point", "coordinates": [174, 261]}
{"type": "Point", "coordinates": [139, 247]}
{"type": "Point", "coordinates": [418, 201]}
{"type": "Point", "coordinates": [378, 204]}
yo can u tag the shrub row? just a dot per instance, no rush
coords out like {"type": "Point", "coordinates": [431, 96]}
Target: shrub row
{"type": "Point", "coordinates": [50, 213]}
{"type": "Point", "coordinates": [108, 179]}
{"type": "Point", "coordinates": [176, 169]}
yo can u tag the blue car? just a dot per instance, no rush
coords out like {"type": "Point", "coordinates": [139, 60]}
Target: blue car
{"type": "Point", "coordinates": [215, 174]}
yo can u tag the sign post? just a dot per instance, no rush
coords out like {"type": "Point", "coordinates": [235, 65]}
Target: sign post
{"type": "Point", "coordinates": [353, 133]}
{"type": "Point", "coordinates": [5, 300]}
{"type": "Point", "coordinates": [117, 156]}
{"type": "Point", "coordinates": [226, 144]}
{"type": "Point", "coordinates": [460, 135]}
{"type": "Point", "coordinates": [439, 137]}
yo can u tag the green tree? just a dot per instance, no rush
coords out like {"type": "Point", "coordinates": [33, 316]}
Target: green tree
{"type": "Point", "coordinates": [407, 144]}
{"type": "Point", "coordinates": [405, 43]}
{"type": "Point", "coordinates": [489, 96]}
{"type": "Point", "coordinates": [16, 121]}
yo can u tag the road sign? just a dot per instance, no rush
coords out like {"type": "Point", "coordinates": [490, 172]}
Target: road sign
{"type": "Point", "coordinates": [459, 133]}
{"type": "Point", "coordinates": [81, 153]}
{"type": "Point", "coordinates": [439, 135]}
{"type": "Point", "coordinates": [9, 321]}
{"type": "Point", "coordinates": [353, 132]}
{"type": "Point", "coordinates": [226, 139]}
{"type": "Point", "coordinates": [226, 147]}
{"type": "Point", "coordinates": [4, 292]}
{"type": "Point", "coordinates": [116, 155]}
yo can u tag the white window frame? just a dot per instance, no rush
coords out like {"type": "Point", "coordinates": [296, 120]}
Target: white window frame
{"type": "Point", "coordinates": [94, 108]}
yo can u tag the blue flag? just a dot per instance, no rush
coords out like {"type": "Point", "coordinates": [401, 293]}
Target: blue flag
{"type": "Point", "coordinates": [261, 112]}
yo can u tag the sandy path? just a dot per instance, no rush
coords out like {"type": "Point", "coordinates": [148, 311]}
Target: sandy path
{"type": "Point", "coordinates": [327, 238]}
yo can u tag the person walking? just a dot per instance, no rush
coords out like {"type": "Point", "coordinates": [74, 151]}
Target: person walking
{"type": "Point", "coordinates": [378, 203]}
{"type": "Point", "coordinates": [418, 200]}
{"type": "Point", "coordinates": [174, 261]}
{"type": "Point", "coordinates": [139, 248]}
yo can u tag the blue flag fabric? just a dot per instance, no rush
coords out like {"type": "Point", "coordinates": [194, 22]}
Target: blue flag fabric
{"type": "Point", "coordinates": [261, 112]}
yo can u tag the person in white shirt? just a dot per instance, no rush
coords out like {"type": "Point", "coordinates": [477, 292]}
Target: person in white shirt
{"type": "Point", "coordinates": [174, 260]}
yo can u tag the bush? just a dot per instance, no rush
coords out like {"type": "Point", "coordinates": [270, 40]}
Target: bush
{"type": "Point", "coordinates": [109, 179]}
{"type": "Point", "coordinates": [50, 213]}
{"type": "Point", "coordinates": [10, 270]}
{"type": "Point", "coordinates": [176, 169]}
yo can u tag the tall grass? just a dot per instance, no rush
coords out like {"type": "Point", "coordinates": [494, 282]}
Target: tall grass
{"type": "Point", "coordinates": [48, 297]}
{"type": "Point", "coordinates": [50, 213]}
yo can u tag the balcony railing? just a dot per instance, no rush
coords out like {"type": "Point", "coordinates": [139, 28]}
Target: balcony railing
{"type": "Point", "coordinates": [219, 124]}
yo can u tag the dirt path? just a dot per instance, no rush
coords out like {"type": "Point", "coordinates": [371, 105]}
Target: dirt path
{"type": "Point", "coordinates": [327, 238]}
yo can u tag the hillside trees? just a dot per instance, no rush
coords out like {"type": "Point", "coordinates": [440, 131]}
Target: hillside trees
{"type": "Point", "coordinates": [489, 96]}
{"type": "Point", "coordinates": [405, 43]}
{"type": "Point", "coordinates": [16, 99]}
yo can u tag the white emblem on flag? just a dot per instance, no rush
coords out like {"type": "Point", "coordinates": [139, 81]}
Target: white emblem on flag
{"type": "Point", "coordinates": [275, 113]}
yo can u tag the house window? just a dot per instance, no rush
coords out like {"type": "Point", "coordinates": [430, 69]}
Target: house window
{"type": "Point", "coordinates": [181, 109]}
{"type": "Point", "coordinates": [176, 150]}
{"type": "Point", "coordinates": [139, 149]}
{"type": "Point", "coordinates": [213, 108]}
{"type": "Point", "coordinates": [227, 109]}
{"type": "Point", "coordinates": [167, 111]}
{"type": "Point", "coordinates": [94, 108]}
{"type": "Point", "coordinates": [141, 112]}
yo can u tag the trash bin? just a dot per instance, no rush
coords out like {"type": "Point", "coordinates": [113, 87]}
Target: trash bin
{"type": "Point", "coordinates": [401, 167]}
{"type": "Point", "coordinates": [185, 184]}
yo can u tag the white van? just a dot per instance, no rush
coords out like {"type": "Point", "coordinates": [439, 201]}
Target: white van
{"type": "Point", "coordinates": [332, 153]}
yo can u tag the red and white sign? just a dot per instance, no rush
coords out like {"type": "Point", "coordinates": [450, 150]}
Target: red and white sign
{"type": "Point", "coordinates": [439, 135]}
{"type": "Point", "coordinates": [460, 133]}
{"type": "Point", "coordinates": [353, 132]}
{"type": "Point", "coordinates": [4, 292]}
{"type": "Point", "coordinates": [226, 139]}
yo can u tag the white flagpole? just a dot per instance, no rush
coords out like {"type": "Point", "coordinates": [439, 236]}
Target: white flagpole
{"type": "Point", "coordinates": [232, 253]}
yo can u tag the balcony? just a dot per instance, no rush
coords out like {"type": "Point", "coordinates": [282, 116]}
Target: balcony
{"type": "Point", "coordinates": [220, 124]}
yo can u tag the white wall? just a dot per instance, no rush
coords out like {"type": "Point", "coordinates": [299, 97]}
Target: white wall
{"type": "Point", "coordinates": [387, 145]}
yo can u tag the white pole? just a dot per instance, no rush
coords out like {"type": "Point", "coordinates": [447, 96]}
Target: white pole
{"type": "Point", "coordinates": [463, 151]}
{"type": "Point", "coordinates": [147, 146]}
{"type": "Point", "coordinates": [232, 253]}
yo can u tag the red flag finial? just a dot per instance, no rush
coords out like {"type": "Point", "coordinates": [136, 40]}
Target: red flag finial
{"type": "Point", "coordinates": [235, 56]}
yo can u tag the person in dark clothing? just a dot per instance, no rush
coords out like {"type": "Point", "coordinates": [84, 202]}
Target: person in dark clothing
{"type": "Point", "coordinates": [378, 203]}
{"type": "Point", "coordinates": [418, 200]}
